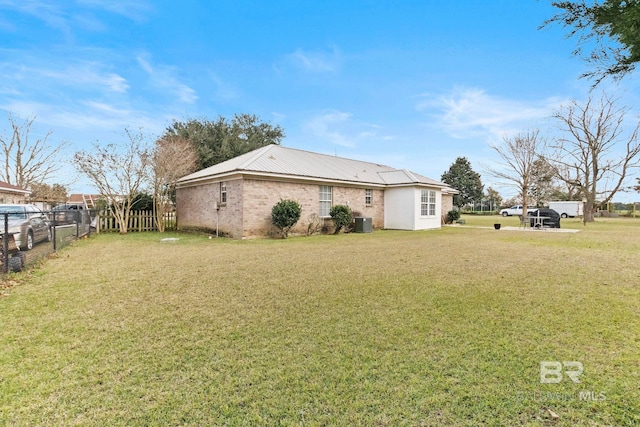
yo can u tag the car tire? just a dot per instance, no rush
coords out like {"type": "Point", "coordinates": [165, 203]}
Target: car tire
{"type": "Point", "coordinates": [564, 215]}
{"type": "Point", "coordinates": [504, 214]}
{"type": "Point", "coordinates": [29, 243]}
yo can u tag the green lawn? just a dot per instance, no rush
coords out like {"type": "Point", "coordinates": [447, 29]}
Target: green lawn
{"type": "Point", "coordinates": [443, 327]}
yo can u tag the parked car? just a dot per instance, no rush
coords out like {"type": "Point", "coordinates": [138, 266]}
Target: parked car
{"type": "Point", "coordinates": [550, 218]}
{"type": "Point", "coordinates": [66, 214]}
{"type": "Point", "coordinates": [515, 210]}
{"type": "Point", "coordinates": [27, 224]}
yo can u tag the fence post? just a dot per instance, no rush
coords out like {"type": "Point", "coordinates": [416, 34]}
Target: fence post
{"type": "Point", "coordinates": [5, 244]}
{"type": "Point", "coordinates": [55, 232]}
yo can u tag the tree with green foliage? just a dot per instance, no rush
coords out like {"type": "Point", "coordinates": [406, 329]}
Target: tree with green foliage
{"type": "Point", "coordinates": [220, 140]}
{"type": "Point", "coordinates": [342, 217]}
{"type": "Point", "coordinates": [285, 215]}
{"type": "Point", "coordinates": [543, 183]}
{"type": "Point", "coordinates": [142, 202]}
{"type": "Point", "coordinates": [608, 30]}
{"type": "Point", "coordinates": [494, 198]}
{"type": "Point", "coordinates": [464, 179]}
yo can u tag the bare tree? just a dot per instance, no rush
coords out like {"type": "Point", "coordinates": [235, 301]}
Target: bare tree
{"type": "Point", "coordinates": [596, 154]}
{"type": "Point", "coordinates": [173, 157]}
{"type": "Point", "coordinates": [519, 155]}
{"type": "Point", "coordinates": [118, 172]}
{"type": "Point", "coordinates": [27, 161]}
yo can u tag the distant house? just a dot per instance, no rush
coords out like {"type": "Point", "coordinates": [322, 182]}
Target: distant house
{"type": "Point", "coordinates": [89, 201]}
{"type": "Point", "coordinates": [236, 196]}
{"type": "Point", "coordinates": [12, 194]}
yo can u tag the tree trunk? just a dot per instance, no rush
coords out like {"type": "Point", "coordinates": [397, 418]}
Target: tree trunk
{"type": "Point", "coordinates": [588, 214]}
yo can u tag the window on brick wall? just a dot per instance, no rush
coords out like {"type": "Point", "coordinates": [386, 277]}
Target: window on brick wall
{"type": "Point", "coordinates": [368, 197]}
{"type": "Point", "coordinates": [326, 199]}
{"type": "Point", "coordinates": [427, 203]}
{"type": "Point", "coordinates": [223, 192]}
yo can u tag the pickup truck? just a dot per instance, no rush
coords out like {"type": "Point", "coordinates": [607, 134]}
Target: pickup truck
{"type": "Point", "coordinates": [515, 210]}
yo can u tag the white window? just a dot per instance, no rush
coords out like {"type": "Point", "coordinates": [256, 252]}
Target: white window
{"type": "Point", "coordinates": [325, 200]}
{"type": "Point", "coordinates": [223, 192]}
{"type": "Point", "coordinates": [368, 196]}
{"type": "Point", "coordinates": [432, 203]}
{"type": "Point", "coordinates": [427, 203]}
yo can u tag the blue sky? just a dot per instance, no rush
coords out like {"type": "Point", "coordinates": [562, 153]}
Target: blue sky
{"type": "Point", "coordinates": [411, 84]}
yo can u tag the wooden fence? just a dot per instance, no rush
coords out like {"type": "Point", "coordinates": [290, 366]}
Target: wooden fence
{"type": "Point", "coordinates": [138, 221]}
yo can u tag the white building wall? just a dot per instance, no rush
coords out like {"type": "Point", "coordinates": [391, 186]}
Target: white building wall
{"type": "Point", "coordinates": [399, 209]}
{"type": "Point", "coordinates": [428, 222]}
{"type": "Point", "coordinates": [402, 209]}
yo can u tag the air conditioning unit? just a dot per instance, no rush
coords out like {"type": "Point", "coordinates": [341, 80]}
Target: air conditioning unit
{"type": "Point", "coordinates": [363, 225]}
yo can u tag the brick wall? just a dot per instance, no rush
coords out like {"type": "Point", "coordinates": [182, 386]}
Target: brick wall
{"type": "Point", "coordinates": [247, 212]}
{"type": "Point", "coordinates": [260, 197]}
{"type": "Point", "coordinates": [12, 198]}
{"type": "Point", "coordinates": [195, 208]}
{"type": "Point", "coordinates": [447, 203]}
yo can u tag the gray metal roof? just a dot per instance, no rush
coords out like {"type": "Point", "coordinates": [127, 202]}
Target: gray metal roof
{"type": "Point", "coordinates": [290, 162]}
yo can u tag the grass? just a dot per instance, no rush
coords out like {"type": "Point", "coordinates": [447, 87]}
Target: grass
{"type": "Point", "coordinates": [444, 327]}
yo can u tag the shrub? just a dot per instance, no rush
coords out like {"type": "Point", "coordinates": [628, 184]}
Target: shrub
{"type": "Point", "coordinates": [284, 215]}
{"type": "Point", "coordinates": [453, 216]}
{"type": "Point", "coordinates": [341, 216]}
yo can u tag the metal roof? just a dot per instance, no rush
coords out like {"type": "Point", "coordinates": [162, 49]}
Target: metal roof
{"type": "Point", "coordinates": [290, 162]}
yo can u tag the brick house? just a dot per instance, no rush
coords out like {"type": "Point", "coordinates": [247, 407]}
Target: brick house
{"type": "Point", "coordinates": [236, 197]}
{"type": "Point", "coordinates": [12, 194]}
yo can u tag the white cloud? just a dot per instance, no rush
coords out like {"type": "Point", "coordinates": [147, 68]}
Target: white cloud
{"type": "Point", "coordinates": [48, 12]}
{"type": "Point", "coordinates": [162, 77]}
{"type": "Point", "coordinates": [68, 19]}
{"type": "Point", "coordinates": [314, 62]}
{"type": "Point", "coordinates": [325, 126]}
{"type": "Point", "coordinates": [223, 90]}
{"type": "Point", "coordinates": [77, 75]}
{"type": "Point", "coordinates": [87, 118]}
{"type": "Point", "coordinates": [339, 128]}
{"type": "Point", "coordinates": [469, 112]}
{"type": "Point", "coordinates": [136, 10]}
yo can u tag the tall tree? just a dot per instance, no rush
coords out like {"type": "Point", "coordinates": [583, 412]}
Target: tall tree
{"type": "Point", "coordinates": [543, 184]}
{"type": "Point", "coordinates": [609, 32]}
{"type": "Point", "coordinates": [27, 160]}
{"type": "Point", "coordinates": [518, 160]}
{"type": "Point", "coordinates": [173, 157]}
{"type": "Point", "coordinates": [595, 153]}
{"type": "Point", "coordinates": [464, 179]}
{"type": "Point", "coordinates": [220, 140]}
{"type": "Point", "coordinates": [494, 198]}
{"type": "Point", "coordinates": [118, 171]}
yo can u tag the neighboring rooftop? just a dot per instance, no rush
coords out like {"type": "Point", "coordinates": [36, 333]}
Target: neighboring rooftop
{"type": "Point", "coordinates": [6, 187]}
{"type": "Point", "coordinates": [277, 160]}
